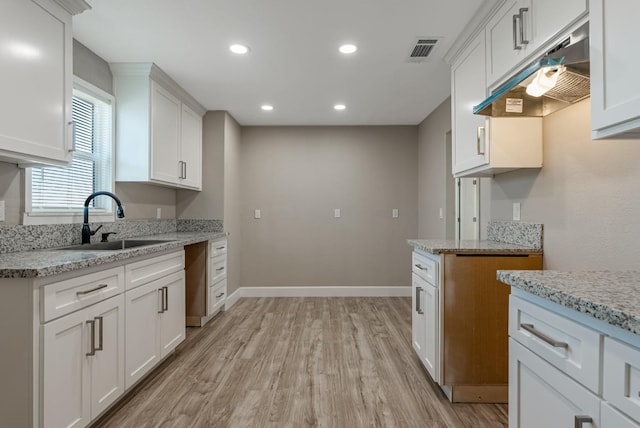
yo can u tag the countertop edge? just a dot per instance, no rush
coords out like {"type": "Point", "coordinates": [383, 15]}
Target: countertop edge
{"type": "Point", "coordinates": [442, 246]}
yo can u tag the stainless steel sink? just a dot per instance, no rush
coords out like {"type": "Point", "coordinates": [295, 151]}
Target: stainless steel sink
{"type": "Point", "coordinates": [114, 245]}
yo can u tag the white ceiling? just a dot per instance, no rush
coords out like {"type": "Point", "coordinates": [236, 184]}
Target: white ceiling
{"type": "Point", "coordinates": [294, 63]}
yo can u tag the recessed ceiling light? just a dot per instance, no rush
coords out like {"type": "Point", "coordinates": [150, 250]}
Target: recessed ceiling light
{"type": "Point", "coordinates": [348, 48]}
{"type": "Point", "coordinates": [267, 107]}
{"type": "Point", "coordinates": [239, 49]}
{"type": "Point", "coordinates": [339, 106]}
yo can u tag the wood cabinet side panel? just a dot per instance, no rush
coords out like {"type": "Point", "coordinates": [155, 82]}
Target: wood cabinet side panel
{"type": "Point", "coordinates": [475, 317]}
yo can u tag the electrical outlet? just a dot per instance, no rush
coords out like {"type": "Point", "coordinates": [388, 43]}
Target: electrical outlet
{"type": "Point", "coordinates": [1, 210]}
{"type": "Point", "coordinates": [337, 213]}
{"type": "Point", "coordinates": [257, 214]}
{"type": "Point", "coordinates": [441, 214]}
{"type": "Point", "coordinates": [159, 213]}
{"type": "Point", "coordinates": [516, 211]}
{"type": "Point", "coordinates": [394, 213]}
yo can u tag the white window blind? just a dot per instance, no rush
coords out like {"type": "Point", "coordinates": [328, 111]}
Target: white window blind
{"type": "Point", "coordinates": [64, 189]}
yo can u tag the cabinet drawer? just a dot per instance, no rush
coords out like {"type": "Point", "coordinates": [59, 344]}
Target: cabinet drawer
{"type": "Point", "coordinates": [217, 295]}
{"type": "Point", "coordinates": [621, 377]}
{"type": "Point", "coordinates": [576, 350]}
{"type": "Point", "coordinates": [217, 268]}
{"type": "Point", "coordinates": [64, 297]}
{"type": "Point", "coordinates": [217, 247]}
{"type": "Point", "coordinates": [144, 271]}
{"type": "Point", "coordinates": [425, 268]}
{"type": "Point", "coordinates": [611, 418]}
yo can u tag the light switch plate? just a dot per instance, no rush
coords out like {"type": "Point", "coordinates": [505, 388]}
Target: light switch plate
{"type": "Point", "coordinates": [257, 214]}
{"type": "Point", "coordinates": [1, 210]}
{"type": "Point", "coordinates": [394, 213]}
{"type": "Point", "coordinates": [337, 213]}
{"type": "Point", "coordinates": [516, 211]}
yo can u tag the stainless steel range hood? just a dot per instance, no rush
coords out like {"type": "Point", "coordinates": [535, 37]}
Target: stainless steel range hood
{"type": "Point", "coordinates": [570, 59]}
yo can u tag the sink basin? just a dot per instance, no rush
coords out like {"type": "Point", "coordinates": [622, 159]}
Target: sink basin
{"type": "Point", "coordinates": [114, 245]}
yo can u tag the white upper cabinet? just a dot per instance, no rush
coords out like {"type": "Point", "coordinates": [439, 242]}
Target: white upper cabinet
{"type": "Point", "coordinates": [520, 27]}
{"type": "Point", "coordinates": [486, 146]}
{"type": "Point", "coordinates": [158, 129]}
{"type": "Point", "coordinates": [36, 83]}
{"type": "Point", "coordinates": [615, 87]}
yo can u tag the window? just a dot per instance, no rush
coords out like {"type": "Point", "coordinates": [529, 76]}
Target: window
{"type": "Point", "coordinates": [57, 194]}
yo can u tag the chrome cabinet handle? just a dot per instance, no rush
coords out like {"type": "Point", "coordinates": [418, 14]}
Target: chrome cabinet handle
{"type": "Point", "coordinates": [166, 299]}
{"type": "Point", "coordinates": [93, 338]}
{"type": "Point", "coordinates": [72, 124]}
{"type": "Point", "coordinates": [515, 33]}
{"type": "Point", "coordinates": [581, 420]}
{"type": "Point", "coordinates": [219, 295]}
{"type": "Point", "coordinates": [419, 266]}
{"type": "Point", "coordinates": [99, 287]}
{"type": "Point", "coordinates": [185, 170]}
{"type": "Point", "coordinates": [540, 335]}
{"type": "Point", "coordinates": [418, 305]}
{"type": "Point", "coordinates": [479, 133]}
{"type": "Point", "coordinates": [523, 41]}
{"type": "Point", "coordinates": [220, 269]}
{"type": "Point", "coordinates": [220, 248]}
{"type": "Point", "coordinates": [100, 332]}
{"type": "Point", "coordinates": [161, 291]}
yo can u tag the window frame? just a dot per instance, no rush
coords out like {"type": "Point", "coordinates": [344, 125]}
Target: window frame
{"type": "Point", "coordinates": [104, 210]}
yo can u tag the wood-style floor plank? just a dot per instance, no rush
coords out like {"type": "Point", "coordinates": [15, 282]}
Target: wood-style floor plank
{"type": "Point", "coordinates": [299, 362]}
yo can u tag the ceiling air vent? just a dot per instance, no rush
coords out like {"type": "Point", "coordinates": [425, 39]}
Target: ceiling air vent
{"type": "Point", "coordinates": [423, 49]}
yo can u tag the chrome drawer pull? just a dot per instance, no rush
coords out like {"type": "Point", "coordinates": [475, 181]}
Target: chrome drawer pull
{"type": "Point", "coordinates": [219, 295]}
{"type": "Point", "coordinates": [100, 333]}
{"type": "Point", "coordinates": [581, 420]}
{"type": "Point", "coordinates": [220, 248]}
{"type": "Point", "coordinates": [93, 338]}
{"type": "Point", "coordinates": [99, 287]}
{"type": "Point", "coordinates": [419, 266]}
{"type": "Point", "coordinates": [531, 329]}
{"type": "Point", "coordinates": [220, 269]}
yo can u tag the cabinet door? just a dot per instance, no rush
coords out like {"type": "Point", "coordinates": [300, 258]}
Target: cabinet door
{"type": "Point", "coordinates": [36, 86]}
{"type": "Point", "coordinates": [469, 89]}
{"type": "Point", "coordinates": [191, 149]}
{"type": "Point", "coordinates": [615, 87]}
{"type": "Point", "coordinates": [142, 331]}
{"type": "Point", "coordinates": [172, 319]}
{"type": "Point", "coordinates": [611, 418]}
{"type": "Point", "coordinates": [418, 319]}
{"type": "Point", "coordinates": [549, 18]}
{"type": "Point", "coordinates": [505, 47]}
{"type": "Point", "coordinates": [65, 371]}
{"type": "Point", "coordinates": [107, 365]}
{"type": "Point", "coordinates": [431, 351]}
{"type": "Point", "coordinates": [542, 396]}
{"type": "Point", "coordinates": [165, 135]}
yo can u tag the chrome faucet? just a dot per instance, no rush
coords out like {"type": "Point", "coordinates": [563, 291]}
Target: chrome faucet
{"type": "Point", "coordinates": [87, 233]}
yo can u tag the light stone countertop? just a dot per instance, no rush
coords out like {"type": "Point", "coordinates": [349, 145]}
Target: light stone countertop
{"type": "Point", "coordinates": [610, 296]}
{"type": "Point", "coordinates": [438, 246]}
{"type": "Point", "coordinates": [47, 262]}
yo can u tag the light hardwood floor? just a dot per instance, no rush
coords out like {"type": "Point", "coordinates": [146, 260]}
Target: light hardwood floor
{"type": "Point", "coordinates": [299, 362]}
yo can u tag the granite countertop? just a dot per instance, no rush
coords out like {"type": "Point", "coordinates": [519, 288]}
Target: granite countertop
{"type": "Point", "coordinates": [438, 246]}
{"type": "Point", "coordinates": [610, 296]}
{"type": "Point", "coordinates": [47, 262]}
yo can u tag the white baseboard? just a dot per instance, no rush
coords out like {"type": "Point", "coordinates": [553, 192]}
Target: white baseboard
{"type": "Point", "coordinates": [233, 298]}
{"type": "Point", "coordinates": [318, 292]}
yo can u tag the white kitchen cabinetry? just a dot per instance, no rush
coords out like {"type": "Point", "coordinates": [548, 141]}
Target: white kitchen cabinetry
{"type": "Point", "coordinates": [520, 27]}
{"type": "Point", "coordinates": [158, 129]}
{"type": "Point", "coordinates": [83, 363]}
{"type": "Point", "coordinates": [155, 318]}
{"type": "Point", "coordinates": [217, 276]}
{"type": "Point", "coordinates": [36, 84]}
{"type": "Point", "coordinates": [565, 367]}
{"type": "Point", "coordinates": [615, 87]}
{"type": "Point", "coordinates": [485, 146]}
{"type": "Point", "coordinates": [425, 322]}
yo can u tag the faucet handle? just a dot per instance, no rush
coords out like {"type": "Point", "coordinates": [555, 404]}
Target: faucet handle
{"type": "Point", "coordinates": [93, 232]}
{"type": "Point", "coordinates": [105, 236]}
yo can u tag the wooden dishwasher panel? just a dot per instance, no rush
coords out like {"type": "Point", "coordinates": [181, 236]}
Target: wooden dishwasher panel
{"type": "Point", "coordinates": [475, 308]}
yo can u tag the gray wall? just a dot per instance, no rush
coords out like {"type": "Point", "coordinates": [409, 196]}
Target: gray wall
{"type": "Point", "coordinates": [232, 223]}
{"type": "Point", "coordinates": [297, 176]}
{"type": "Point", "coordinates": [586, 194]}
{"type": "Point", "coordinates": [432, 161]}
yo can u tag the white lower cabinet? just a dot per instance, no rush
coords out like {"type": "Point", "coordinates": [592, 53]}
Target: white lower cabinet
{"type": "Point", "coordinates": [542, 396]}
{"type": "Point", "coordinates": [83, 364]}
{"type": "Point", "coordinates": [217, 276]}
{"type": "Point", "coordinates": [155, 324]}
{"type": "Point", "coordinates": [570, 370]}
